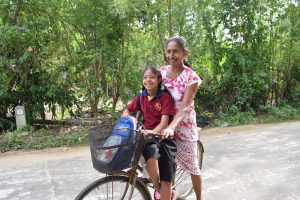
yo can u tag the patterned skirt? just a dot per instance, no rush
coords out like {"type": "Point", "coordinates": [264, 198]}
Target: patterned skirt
{"type": "Point", "coordinates": [186, 156]}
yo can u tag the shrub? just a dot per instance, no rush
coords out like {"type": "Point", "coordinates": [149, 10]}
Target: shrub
{"type": "Point", "coordinates": [285, 112]}
{"type": "Point", "coordinates": [28, 138]}
{"type": "Point", "coordinates": [236, 117]}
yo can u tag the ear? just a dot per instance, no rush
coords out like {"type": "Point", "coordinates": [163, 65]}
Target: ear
{"type": "Point", "coordinates": [160, 80]}
{"type": "Point", "coordinates": [186, 52]}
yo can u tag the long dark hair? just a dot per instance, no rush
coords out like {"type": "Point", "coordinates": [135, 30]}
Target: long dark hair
{"type": "Point", "coordinates": [155, 71]}
{"type": "Point", "coordinates": [182, 44]}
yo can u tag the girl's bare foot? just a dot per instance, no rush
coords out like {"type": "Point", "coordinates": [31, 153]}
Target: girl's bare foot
{"type": "Point", "coordinates": [156, 185]}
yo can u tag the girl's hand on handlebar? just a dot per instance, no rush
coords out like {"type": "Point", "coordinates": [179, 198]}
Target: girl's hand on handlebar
{"type": "Point", "coordinates": [167, 133]}
{"type": "Point", "coordinates": [148, 134]}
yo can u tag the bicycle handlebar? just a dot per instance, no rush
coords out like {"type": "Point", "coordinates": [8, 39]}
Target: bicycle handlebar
{"type": "Point", "coordinates": [148, 133]}
{"type": "Point", "coordinates": [154, 135]}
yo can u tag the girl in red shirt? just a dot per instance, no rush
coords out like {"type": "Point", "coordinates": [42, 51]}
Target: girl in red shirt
{"type": "Point", "coordinates": [158, 109]}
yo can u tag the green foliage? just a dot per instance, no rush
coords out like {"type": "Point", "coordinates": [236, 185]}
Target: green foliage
{"type": "Point", "coordinates": [6, 124]}
{"type": "Point", "coordinates": [89, 53]}
{"type": "Point", "coordinates": [235, 117]}
{"type": "Point", "coordinates": [25, 62]}
{"type": "Point", "coordinates": [275, 114]}
{"type": "Point", "coordinates": [267, 114]}
{"type": "Point", "coordinates": [28, 138]}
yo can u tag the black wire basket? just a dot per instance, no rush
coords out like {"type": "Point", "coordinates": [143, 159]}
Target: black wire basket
{"type": "Point", "coordinates": [111, 152]}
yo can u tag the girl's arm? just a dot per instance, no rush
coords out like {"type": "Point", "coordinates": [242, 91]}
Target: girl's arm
{"type": "Point", "coordinates": [138, 115]}
{"type": "Point", "coordinates": [188, 98]}
{"type": "Point", "coordinates": [132, 107]}
{"type": "Point", "coordinates": [162, 125]}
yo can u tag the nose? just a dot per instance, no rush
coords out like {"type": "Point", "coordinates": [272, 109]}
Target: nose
{"type": "Point", "coordinates": [171, 54]}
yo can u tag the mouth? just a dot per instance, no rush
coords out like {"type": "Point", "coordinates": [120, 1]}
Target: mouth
{"type": "Point", "coordinates": [172, 60]}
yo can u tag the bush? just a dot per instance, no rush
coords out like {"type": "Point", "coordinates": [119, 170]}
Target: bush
{"type": "Point", "coordinates": [236, 117]}
{"type": "Point", "coordinates": [6, 125]}
{"type": "Point", "coordinates": [29, 138]}
{"type": "Point", "coordinates": [285, 112]}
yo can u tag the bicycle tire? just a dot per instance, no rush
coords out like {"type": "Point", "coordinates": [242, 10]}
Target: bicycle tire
{"type": "Point", "coordinates": [99, 189]}
{"type": "Point", "coordinates": [183, 181]}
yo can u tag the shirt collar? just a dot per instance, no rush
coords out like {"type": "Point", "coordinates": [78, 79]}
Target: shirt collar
{"type": "Point", "coordinates": [158, 93]}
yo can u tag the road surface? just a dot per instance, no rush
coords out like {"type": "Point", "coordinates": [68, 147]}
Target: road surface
{"type": "Point", "coordinates": [246, 163]}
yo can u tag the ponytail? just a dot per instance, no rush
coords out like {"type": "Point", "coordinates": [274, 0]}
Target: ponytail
{"type": "Point", "coordinates": [187, 64]}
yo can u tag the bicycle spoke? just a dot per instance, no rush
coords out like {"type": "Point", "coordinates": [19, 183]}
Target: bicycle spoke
{"type": "Point", "coordinates": [182, 176]}
{"type": "Point", "coordinates": [114, 188]}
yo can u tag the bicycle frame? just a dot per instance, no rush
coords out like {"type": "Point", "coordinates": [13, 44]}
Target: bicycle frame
{"type": "Point", "coordinates": [133, 178]}
{"type": "Point", "coordinates": [132, 172]}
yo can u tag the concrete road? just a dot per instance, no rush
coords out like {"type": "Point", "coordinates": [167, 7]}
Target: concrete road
{"type": "Point", "coordinates": [240, 164]}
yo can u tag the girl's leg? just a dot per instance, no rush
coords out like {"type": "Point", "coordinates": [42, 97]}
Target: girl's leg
{"type": "Point", "coordinates": [165, 190]}
{"type": "Point", "coordinates": [152, 169]}
{"type": "Point", "coordinates": [197, 184]}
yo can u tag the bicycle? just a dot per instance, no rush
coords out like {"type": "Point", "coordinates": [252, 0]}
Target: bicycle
{"type": "Point", "coordinates": [128, 184]}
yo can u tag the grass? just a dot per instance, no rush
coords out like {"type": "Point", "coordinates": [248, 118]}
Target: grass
{"type": "Point", "coordinates": [267, 114]}
{"type": "Point", "coordinates": [29, 138]}
{"type": "Point", "coordinates": [278, 114]}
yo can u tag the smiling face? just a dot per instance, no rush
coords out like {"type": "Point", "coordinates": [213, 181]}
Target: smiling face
{"type": "Point", "coordinates": [175, 53]}
{"type": "Point", "coordinates": [151, 80]}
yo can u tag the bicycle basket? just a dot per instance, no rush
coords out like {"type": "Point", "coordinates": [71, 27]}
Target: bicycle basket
{"type": "Point", "coordinates": [111, 153]}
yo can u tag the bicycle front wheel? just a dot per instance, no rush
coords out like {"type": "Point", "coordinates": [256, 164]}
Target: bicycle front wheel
{"type": "Point", "coordinates": [114, 188]}
{"type": "Point", "coordinates": [183, 183]}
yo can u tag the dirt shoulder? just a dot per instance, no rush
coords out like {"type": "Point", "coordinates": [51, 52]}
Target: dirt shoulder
{"type": "Point", "coordinates": [234, 129]}
{"type": "Point", "coordinates": [21, 158]}
{"type": "Point", "coordinates": [239, 129]}
{"type": "Point", "coordinates": [25, 158]}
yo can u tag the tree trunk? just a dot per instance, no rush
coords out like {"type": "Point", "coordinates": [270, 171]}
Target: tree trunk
{"type": "Point", "coordinates": [170, 23]}
{"type": "Point", "coordinates": [17, 12]}
{"type": "Point", "coordinates": [160, 37]}
{"type": "Point", "coordinates": [286, 92]}
{"type": "Point", "coordinates": [95, 112]}
{"type": "Point", "coordinates": [116, 97]}
{"type": "Point", "coordinates": [182, 23]}
{"type": "Point", "coordinates": [95, 93]}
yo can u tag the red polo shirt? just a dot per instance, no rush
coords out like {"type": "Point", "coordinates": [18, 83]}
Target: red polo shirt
{"type": "Point", "coordinates": [161, 104]}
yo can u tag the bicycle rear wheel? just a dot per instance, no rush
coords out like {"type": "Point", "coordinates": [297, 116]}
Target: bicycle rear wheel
{"type": "Point", "coordinates": [183, 183]}
{"type": "Point", "coordinates": [114, 188]}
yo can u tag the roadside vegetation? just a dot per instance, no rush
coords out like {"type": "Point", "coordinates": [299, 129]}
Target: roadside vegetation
{"type": "Point", "coordinates": [268, 115]}
{"type": "Point", "coordinates": [59, 58]}
{"type": "Point", "coordinates": [33, 138]}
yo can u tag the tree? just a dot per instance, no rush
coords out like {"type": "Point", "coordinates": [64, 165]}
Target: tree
{"type": "Point", "coordinates": [25, 48]}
